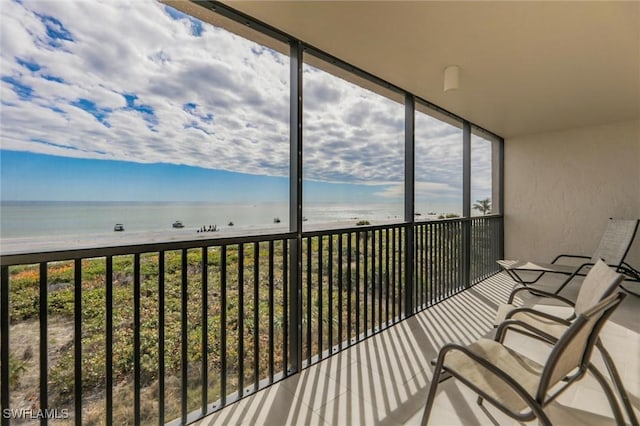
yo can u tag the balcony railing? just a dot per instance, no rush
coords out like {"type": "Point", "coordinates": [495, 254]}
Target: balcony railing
{"type": "Point", "coordinates": [172, 332]}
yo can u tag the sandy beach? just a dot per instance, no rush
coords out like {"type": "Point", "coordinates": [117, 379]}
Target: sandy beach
{"type": "Point", "coordinates": [26, 245]}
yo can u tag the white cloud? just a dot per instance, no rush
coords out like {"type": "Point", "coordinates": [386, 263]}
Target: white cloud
{"type": "Point", "coordinates": [423, 190]}
{"type": "Point", "coordinates": [238, 97]}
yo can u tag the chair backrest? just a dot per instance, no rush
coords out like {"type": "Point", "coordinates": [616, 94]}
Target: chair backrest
{"type": "Point", "coordinates": [599, 283]}
{"type": "Point", "coordinates": [616, 241]}
{"type": "Point", "coordinates": [574, 347]}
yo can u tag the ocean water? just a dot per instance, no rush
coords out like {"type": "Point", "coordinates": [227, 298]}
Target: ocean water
{"type": "Point", "coordinates": [55, 219]}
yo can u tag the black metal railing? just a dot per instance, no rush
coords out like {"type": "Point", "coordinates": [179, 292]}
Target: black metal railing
{"type": "Point", "coordinates": [174, 331]}
{"type": "Point", "coordinates": [352, 286]}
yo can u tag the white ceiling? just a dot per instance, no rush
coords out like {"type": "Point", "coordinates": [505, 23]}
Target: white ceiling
{"type": "Point", "coordinates": [526, 67]}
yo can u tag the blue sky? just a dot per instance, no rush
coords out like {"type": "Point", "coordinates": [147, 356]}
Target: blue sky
{"type": "Point", "coordinates": [137, 101]}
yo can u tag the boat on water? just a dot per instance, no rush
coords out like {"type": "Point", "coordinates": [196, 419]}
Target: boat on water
{"type": "Point", "coordinates": [119, 227]}
{"type": "Point", "coordinates": [178, 224]}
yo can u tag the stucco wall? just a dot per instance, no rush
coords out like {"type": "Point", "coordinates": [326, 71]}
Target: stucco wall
{"type": "Point", "coordinates": [560, 188]}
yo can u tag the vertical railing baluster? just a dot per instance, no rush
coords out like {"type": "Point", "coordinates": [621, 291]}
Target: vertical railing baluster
{"type": "Point", "coordinates": [422, 267]}
{"type": "Point", "coordinates": [401, 237]}
{"type": "Point", "coordinates": [357, 280]}
{"type": "Point", "coordinates": [136, 339]}
{"type": "Point", "coordinates": [223, 325]}
{"type": "Point", "coordinates": [386, 276]}
{"type": "Point", "coordinates": [493, 232]}
{"type": "Point", "coordinates": [4, 340]}
{"type": "Point", "coordinates": [320, 302]}
{"type": "Point", "coordinates": [271, 312]}
{"type": "Point", "coordinates": [340, 291]}
{"type": "Point", "coordinates": [393, 274]}
{"type": "Point", "coordinates": [44, 346]}
{"type": "Point", "coordinates": [445, 231]}
{"type": "Point", "coordinates": [487, 246]}
{"type": "Point", "coordinates": [256, 315]}
{"type": "Point", "coordinates": [475, 254]}
{"type": "Point", "coordinates": [455, 265]}
{"type": "Point", "coordinates": [459, 254]}
{"type": "Point", "coordinates": [480, 223]}
{"type": "Point", "coordinates": [365, 282]}
{"type": "Point", "coordinates": [486, 241]}
{"type": "Point", "coordinates": [481, 245]}
{"type": "Point", "coordinates": [205, 329]}
{"type": "Point", "coordinates": [434, 262]}
{"type": "Point", "coordinates": [240, 320]}
{"type": "Point", "coordinates": [184, 335]}
{"type": "Point", "coordinates": [309, 300]}
{"type": "Point", "coordinates": [433, 291]}
{"type": "Point", "coordinates": [77, 339]}
{"type": "Point", "coordinates": [372, 286]}
{"type": "Point", "coordinates": [496, 243]}
{"type": "Point", "coordinates": [478, 249]}
{"type": "Point", "coordinates": [418, 257]}
{"type": "Point", "coordinates": [449, 258]}
{"type": "Point", "coordinates": [443, 286]}
{"type": "Point", "coordinates": [285, 306]}
{"type": "Point", "coordinates": [161, 363]}
{"type": "Point", "coordinates": [349, 288]}
{"type": "Point", "coordinates": [478, 245]}
{"type": "Point", "coordinates": [445, 258]}
{"type": "Point", "coordinates": [429, 260]}
{"type": "Point", "coordinates": [109, 339]}
{"type": "Point", "coordinates": [474, 251]}
{"type": "Point", "coordinates": [471, 255]}
{"type": "Point", "coordinates": [379, 279]}
{"type": "Point", "coordinates": [450, 251]}
{"type": "Point", "coordinates": [330, 296]}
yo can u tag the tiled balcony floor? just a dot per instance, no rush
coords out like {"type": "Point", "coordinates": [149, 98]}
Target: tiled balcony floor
{"type": "Point", "coordinates": [384, 380]}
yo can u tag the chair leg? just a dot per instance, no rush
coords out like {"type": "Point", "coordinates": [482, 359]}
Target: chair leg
{"type": "Point", "coordinates": [564, 284]}
{"type": "Point", "coordinates": [617, 383]}
{"type": "Point", "coordinates": [435, 380]}
{"type": "Point", "coordinates": [543, 419]}
{"type": "Point", "coordinates": [617, 414]}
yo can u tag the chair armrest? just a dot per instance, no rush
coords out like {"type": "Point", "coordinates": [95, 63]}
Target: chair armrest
{"type": "Point", "coordinates": [531, 331]}
{"type": "Point", "coordinates": [540, 293]}
{"type": "Point", "coordinates": [573, 256]}
{"type": "Point", "coordinates": [535, 312]}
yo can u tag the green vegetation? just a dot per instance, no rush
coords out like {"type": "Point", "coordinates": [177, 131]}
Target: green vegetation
{"type": "Point", "coordinates": [448, 216]}
{"type": "Point", "coordinates": [24, 296]}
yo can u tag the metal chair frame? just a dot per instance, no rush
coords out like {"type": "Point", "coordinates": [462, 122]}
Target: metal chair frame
{"type": "Point", "coordinates": [537, 402]}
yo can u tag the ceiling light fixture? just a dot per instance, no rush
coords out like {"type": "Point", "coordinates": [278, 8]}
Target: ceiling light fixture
{"type": "Point", "coordinates": [451, 78]}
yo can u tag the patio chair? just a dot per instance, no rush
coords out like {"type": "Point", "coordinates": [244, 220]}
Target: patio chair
{"type": "Point", "coordinates": [600, 282]}
{"type": "Point", "coordinates": [613, 248]}
{"type": "Point", "coordinates": [517, 385]}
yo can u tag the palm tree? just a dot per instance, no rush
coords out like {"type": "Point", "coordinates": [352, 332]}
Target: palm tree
{"type": "Point", "coordinates": [483, 206]}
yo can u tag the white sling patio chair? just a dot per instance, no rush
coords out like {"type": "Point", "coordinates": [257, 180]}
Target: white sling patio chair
{"type": "Point", "coordinates": [517, 385]}
{"type": "Point", "coordinates": [613, 248]}
{"type": "Point", "coordinates": [600, 282]}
